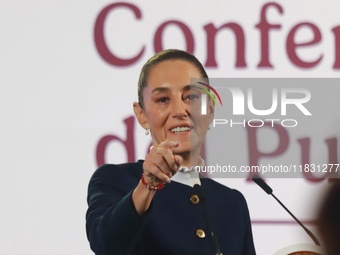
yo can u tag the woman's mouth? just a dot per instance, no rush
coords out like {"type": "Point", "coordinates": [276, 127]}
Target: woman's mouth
{"type": "Point", "coordinates": [180, 130]}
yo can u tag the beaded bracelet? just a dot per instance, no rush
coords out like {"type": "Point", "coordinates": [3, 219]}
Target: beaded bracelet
{"type": "Point", "coordinates": [149, 187]}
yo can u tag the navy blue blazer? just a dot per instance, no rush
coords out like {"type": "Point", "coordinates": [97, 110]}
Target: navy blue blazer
{"type": "Point", "coordinates": [173, 225]}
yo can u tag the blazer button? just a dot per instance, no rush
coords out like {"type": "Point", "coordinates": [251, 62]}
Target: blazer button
{"type": "Point", "coordinates": [194, 199]}
{"type": "Point", "coordinates": [200, 233]}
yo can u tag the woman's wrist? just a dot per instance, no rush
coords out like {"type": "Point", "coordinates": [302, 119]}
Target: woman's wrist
{"type": "Point", "coordinates": [151, 187]}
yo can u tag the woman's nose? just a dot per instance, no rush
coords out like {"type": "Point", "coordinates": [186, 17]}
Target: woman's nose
{"type": "Point", "coordinates": [180, 109]}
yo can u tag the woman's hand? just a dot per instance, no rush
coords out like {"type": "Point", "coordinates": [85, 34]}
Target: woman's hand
{"type": "Point", "coordinates": [160, 164]}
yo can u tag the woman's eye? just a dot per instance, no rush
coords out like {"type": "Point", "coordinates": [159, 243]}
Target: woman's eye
{"type": "Point", "coordinates": [192, 97]}
{"type": "Point", "coordinates": [162, 100]}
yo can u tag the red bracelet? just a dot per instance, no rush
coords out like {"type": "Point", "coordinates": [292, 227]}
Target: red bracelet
{"type": "Point", "coordinates": [149, 187]}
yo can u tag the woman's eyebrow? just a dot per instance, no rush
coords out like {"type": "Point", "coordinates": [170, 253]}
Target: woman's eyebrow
{"type": "Point", "coordinates": [193, 86]}
{"type": "Point", "coordinates": [189, 86]}
{"type": "Point", "coordinates": [160, 89]}
{"type": "Point", "coordinates": [165, 89]}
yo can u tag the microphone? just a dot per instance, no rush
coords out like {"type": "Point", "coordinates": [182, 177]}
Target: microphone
{"type": "Point", "coordinates": [259, 181]}
{"type": "Point", "coordinates": [198, 190]}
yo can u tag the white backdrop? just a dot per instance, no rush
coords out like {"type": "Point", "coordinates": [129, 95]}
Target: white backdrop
{"type": "Point", "coordinates": [59, 97]}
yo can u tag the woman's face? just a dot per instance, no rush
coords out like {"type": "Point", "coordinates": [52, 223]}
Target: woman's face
{"type": "Point", "coordinates": [172, 109]}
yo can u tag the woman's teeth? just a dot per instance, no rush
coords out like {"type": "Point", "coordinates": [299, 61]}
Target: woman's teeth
{"type": "Point", "coordinates": [180, 129]}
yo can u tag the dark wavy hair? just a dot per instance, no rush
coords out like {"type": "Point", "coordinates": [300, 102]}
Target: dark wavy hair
{"type": "Point", "coordinates": [170, 54]}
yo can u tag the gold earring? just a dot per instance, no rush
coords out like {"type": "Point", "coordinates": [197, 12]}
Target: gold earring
{"type": "Point", "coordinates": [147, 131]}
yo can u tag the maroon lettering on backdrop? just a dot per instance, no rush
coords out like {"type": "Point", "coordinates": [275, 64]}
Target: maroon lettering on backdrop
{"type": "Point", "coordinates": [255, 154]}
{"type": "Point", "coordinates": [189, 38]}
{"type": "Point", "coordinates": [128, 143]}
{"type": "Point", "coordinates": [99, 37]}
{"type": "Point", "coordinates": [292, 46]}
{"type": "Point", "coordinates": [336, 31]}
{"type": "Point", "coordinates": [264, 28]}
{"type": "Point", "coordinates": [211, 31]}
{"type": "Point", "coordinates": [330, 173]}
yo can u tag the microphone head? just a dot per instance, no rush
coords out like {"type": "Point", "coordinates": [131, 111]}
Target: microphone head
{"type": "Point", "coordinates": [259, 181]}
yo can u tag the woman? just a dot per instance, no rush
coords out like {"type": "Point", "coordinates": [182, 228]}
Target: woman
{"type": "Point", "coordinates": [153, 206]}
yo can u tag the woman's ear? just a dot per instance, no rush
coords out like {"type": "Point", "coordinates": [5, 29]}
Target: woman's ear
{"type": "Point", "coordinates": [140, 115]}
